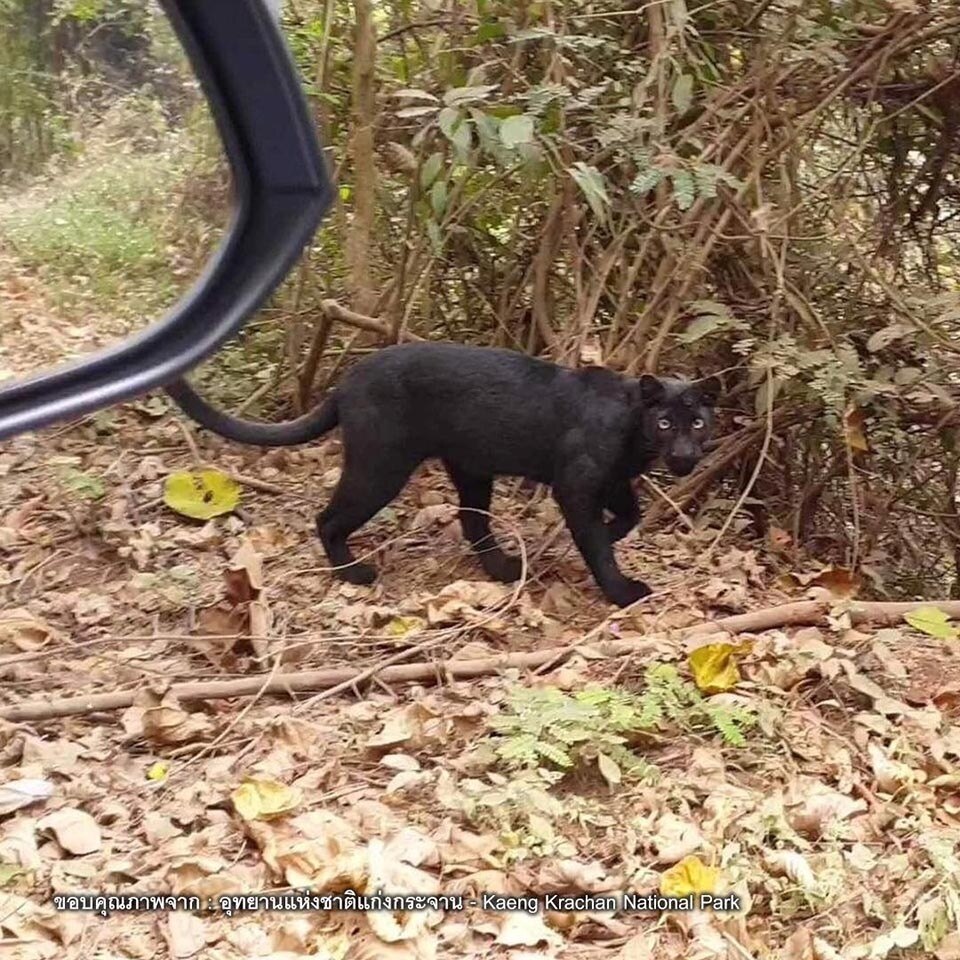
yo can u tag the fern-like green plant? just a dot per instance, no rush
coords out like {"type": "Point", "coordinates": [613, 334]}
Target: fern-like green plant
{"type": "Point", "coordinates": [682, 703]}
{"type": "Point", "coordinates": [544, 726]}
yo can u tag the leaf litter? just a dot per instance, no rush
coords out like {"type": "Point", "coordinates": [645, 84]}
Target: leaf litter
{"type": "Point", "coordinates": [837, 820]}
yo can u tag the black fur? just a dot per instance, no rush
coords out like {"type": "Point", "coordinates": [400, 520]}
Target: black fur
{"type": "Point", "coordinates": [487, 412]}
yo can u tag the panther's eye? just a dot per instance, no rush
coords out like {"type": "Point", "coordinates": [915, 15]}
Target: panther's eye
{"type": "Point", "coordinates": [664, 424]}
{"type": "Point", "coordinates": [698, 424]}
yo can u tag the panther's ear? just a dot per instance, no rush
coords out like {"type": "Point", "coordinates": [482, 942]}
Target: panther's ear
{"type": "Point", "coordinates": [709, 390]}
{"type": "Point", "coordinates": [651, 389]}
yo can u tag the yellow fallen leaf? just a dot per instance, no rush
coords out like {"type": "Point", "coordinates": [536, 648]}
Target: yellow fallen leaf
{"type": "Point", "coordinates": [401, 626]}
{"type": "Point", "coordinates": [263, 799]}
{"type": "Point", "coordinates": [159, 770]}
{"type": "Point", "coordinates": [714, 667]}
{"type": "Point", "coordinates": [933, 622]}
{"type": "Point", "coordinates": [201, 494]}
{"type": "Point", "coordinates": [691, 875]}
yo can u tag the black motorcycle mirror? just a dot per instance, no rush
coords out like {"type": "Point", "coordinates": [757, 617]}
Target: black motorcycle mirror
{"type": "Point", "coordinates": [281, 191]}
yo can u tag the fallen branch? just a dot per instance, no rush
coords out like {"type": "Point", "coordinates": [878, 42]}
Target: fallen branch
{"type": "Point", "coordinates": [803, 612]}
{"type": "Point", "coordinates": [333, 310]}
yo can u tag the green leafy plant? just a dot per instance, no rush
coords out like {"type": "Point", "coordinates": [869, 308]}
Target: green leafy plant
{"type": "Point", "coordinates": [523, 811]}
{"type": "Point", "coordinates": [668, 697]}
{"type": "Point", "coordinates": [82, 485]}
{"type": "Point", "coordinates": [544, 726]}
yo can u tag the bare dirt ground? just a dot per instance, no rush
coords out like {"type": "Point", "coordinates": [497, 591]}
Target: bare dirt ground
{"type": "Point", "coordinates": [835, 819]}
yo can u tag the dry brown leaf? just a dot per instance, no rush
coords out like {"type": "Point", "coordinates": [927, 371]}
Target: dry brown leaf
{"type": "Point", "coordinates": [295, 733]}
{"type": "Point", "coordinates": [90, 608]}
{"type": "Point", "coordinates": [518, 929]}
{"type": "Point", "coordinates": [365, 945]}
{"type": "Point", "coordinates": [817, 807]}
{"type": "Point", "coordinates": [854, 425]}
{"type": "Point", "coordinates": [200, 876]}
{"type": "Point", "coordinates": [790, 864]}
{"type": "Point", "coordinates": [778, 538]}
{"type": "Point", "coordinates": [810, 643]}
{"type": "Point", "coordinates": [167, 723]}
{"type": "Point", "coordinates": [411, 846]}
{"type": "Point", "coordinates": [465, 599]}
{"type": "Point", "coordinates": [16, 794]}
{"type": "Point", "coordinates": [68, 928]}
{"type": "Point", "coordinates": [400, 761]}
{"type": "Point", "coordinates": [725, 594]}
{"type": "Point", "coordinates": [643, 946]}
{"type": "Point", "coordinates": [707, 769]}
{"type": "Point", "coordinates": [18, 844]}
{"type": "Point", "coordinates": [555, 876]}
{"type": "Point", "coordinates": [76, 831]}
{"type": "Point", "coordinates": [486, 881]}
{"type": "Point", "coordinates": [21, 630]}
{"type": "Point", "coordinates": [401, 726]}
{"type": "Point", "coordinates": [222, 621]}
{"type": "Point", "coordinates": [893, 666]}
{"type": "Point", "coordinates": [54, 756]}
{"type": "Point", "coordinates": [244, 576]}
{"type": "Point", "coordinates": [433, 514]}
{"type": "Point", "coordinates": [799, 946]}
{"type": "Point", "coordinates": [158, 828]}
{"type": "Point", "coordinates": [387, 873]}
{"type": "Point", "coordinates": [405, 780]}
{"type": "Point", "coordinates": [707, 942]}
{"type": "Point", "coordinates": [946, 698]}
{"type": "Point", "coordinates": [460, 847]}
{"type": "Point", "coordinates": [417, 725]}
{"type": "Point", "coordinates": [675, 839]}
{"type": "Point", "coordinates": [839, 581]}
{"type": "Point", "coordinates": [252, 940]}
{"type": "Point", "coordinates": [316, 848]}
{"type": "Point", "coordinates": [891, 774]}
{"type": "Point", "coordinates": [67, 875]}
{"type": "Point", "coordinates": [836, 581]}
{"type": "Point", "coordinates": [372, 817]}
{"type": "Point", "coordinates": [26, 927]}
{"type": "Point", "coordinates": [559, 600]}
{"type": "Point", "coordinates": [185, 933]}
{"type": "Point", "coordinates": [862, 684]}
{"type": "Point", "coordinates": [949, 947]}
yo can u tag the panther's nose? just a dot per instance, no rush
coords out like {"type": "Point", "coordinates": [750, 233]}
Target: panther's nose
{"type": "Point", "coordinates": [681, 466]}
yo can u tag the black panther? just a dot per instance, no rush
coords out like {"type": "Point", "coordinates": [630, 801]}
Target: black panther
{"type": "Point", "coordinates": [486, 412]}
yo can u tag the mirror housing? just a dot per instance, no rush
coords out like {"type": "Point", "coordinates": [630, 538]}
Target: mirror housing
{"type": "Point", "coordinates": [281, 191]}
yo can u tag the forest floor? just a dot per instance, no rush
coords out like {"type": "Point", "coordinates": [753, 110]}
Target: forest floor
{"type": "Point", "coordinates": [833, 814]}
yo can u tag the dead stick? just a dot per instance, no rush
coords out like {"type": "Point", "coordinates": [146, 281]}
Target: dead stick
{"type": "Point", "coordinates": [333, 310]}
{"type": "Point", "coordinates": [801, 612]}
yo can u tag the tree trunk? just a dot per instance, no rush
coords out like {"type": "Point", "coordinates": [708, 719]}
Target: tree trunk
{"type": "Point", "coordinates": [359, 238]}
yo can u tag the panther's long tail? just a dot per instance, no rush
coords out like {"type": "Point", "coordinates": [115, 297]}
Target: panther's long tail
{"type": "Point", "coordinates": [315, 423]}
